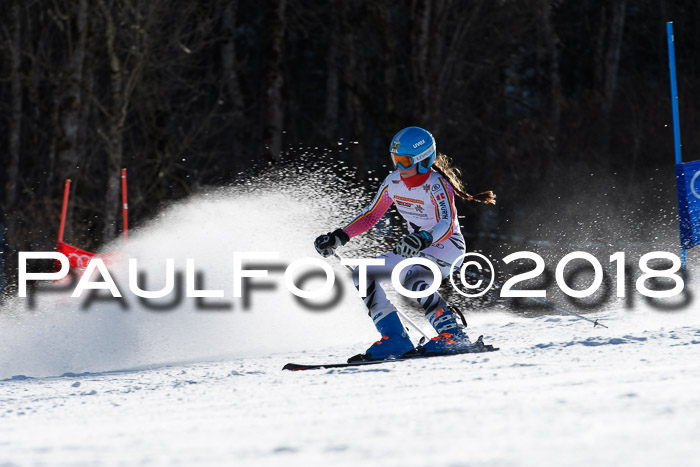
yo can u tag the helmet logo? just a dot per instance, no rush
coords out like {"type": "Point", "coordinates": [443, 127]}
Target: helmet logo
{"type": "Point", "coordinates": [419, 143]}
{"type": "Point", "coordinates": [395, 145]}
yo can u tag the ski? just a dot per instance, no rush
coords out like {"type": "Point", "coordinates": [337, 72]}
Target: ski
{"type": "Point", "coordinates": [412, 356]}
{"type": "Point", "coordinates": [300, 367]}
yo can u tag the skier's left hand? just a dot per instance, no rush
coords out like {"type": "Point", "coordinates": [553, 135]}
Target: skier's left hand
{"type": "Point", "coordinates": [412, 244]}
{"type": "Point", "coordinates": [326, 244]}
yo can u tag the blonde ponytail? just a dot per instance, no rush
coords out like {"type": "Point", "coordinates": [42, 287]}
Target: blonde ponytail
{"type": "Point", "coordinates": [443, 166]}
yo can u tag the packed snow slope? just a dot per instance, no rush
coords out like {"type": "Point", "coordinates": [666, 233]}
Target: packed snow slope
{"type": "Point", "coordinates": [559, 392]}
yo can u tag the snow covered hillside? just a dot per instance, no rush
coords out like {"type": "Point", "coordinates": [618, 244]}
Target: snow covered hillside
{"type": "Point", "coordinates": [559, 392]}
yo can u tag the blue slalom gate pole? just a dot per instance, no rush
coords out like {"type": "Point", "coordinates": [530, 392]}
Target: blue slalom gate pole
{"type": "Point", "coordinates": [674, 105]}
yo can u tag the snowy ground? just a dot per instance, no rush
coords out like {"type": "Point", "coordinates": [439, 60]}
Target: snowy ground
{"type": "Point", "coordinates": [559, 392]}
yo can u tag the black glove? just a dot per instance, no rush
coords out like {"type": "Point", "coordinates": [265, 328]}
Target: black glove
{"type": "Point", "coordinates": [412, 244]}
{"type": "Point", "coordinates": [326, 244]}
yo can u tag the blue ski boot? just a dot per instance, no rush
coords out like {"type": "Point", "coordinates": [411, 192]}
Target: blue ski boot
{"type": "Point", "coordinates": [393, 344]}
{"type": "Point", "coordinates": [451, 338]}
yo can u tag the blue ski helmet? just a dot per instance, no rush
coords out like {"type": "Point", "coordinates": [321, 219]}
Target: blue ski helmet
{"type": "Point", "coordinates": [412, 146]}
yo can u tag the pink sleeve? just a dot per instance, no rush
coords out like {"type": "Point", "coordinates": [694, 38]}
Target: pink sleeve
{"type": "Point", "coordinates": [371, 214]}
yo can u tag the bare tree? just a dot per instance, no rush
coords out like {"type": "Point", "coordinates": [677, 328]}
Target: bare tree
{"type": "Point", "coordinates": [390, 59]}
{"type": "Point", "coordinates": [332, 101]}
{"type": "Point", "coordinates": [274, 82]}
{"type": "Point", "coordinates": [421, 13]}
{"type": "Point", "coordinates": [354, 77]}
{"type": "Point", "coordinates": [230, 70]}
{"type": "Point", "coordinates": [125, 64]}
{"type": "Point", "coordinates": [68, 152]}
{"type": "Point", "coordinates": [612, 57]}
{"type": "Point", "coordinates": [607, 59]}
{"type": "Point", "coordinates": [14, 135]}
{"type": "Point", "coordinates": [555, 95]}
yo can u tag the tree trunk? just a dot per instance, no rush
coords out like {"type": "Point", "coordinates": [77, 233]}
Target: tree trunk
{"type": "Point", "coordinates": [8, 220]}
{"type": "Point", "coordinates": [232, 84]}
{"type": "Point", "coordinates": [52, 150]}
{"type": "Point", "coordinates": [332, 107]}
{"type": "Point", "coordinates": [599, 52]}
{"type": "Point", "coordinates": [389, 67]}
{"type": "Point", "coordinates": [274, 103]}
{"type": "Point", "coordinates": [421, 14]}
{"type": "Point", "coordinates": [114, 135]}
{"type": "Point", "coordinates": [15, 127]}
{"type": "Point", "coordinates": [87, 109]}
{"type": "Point", "coordinates": [612, 58]}
{"type": "Point", "coordinates": [612, 62]}
{"type": "Point", "coordinates": [228, 56]}
{"type": "Point", "coordinates": [228, 59]}
{"type": "Point", "coordinates": [447, 56]}
{"type": "Point", "coordinates": [68, 155]}
{"type": "Point", "coordinates": [353, 107]}
{"type": "Point", "coordinates": [555, 91]}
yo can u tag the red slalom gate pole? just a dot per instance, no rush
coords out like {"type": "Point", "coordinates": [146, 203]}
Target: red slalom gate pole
{"type": "Point", "coordinates": [125, 206]}
{"type": "Point", "coordinates": [66, 190]}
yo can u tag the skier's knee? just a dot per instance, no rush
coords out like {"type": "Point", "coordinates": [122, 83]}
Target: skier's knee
{"type": "Point", "coordinates": [412, 278]}
{"type": "Point", "coordinates": [372, 276]}
{"type": "Point", "coordinates": [417, 275]}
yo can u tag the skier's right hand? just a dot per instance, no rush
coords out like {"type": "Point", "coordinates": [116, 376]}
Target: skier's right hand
{"type": "Point", "coordinates": [326, 244]}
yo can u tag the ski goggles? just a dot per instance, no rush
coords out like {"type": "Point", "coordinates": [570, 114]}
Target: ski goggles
{"type": "Point", "coordinates": [405, 162]}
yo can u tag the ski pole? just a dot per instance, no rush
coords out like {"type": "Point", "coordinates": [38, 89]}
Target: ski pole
{"type": "Point", "coordinates": [401, 314]}
{"type": "Point", "coordinates": [499, 285]}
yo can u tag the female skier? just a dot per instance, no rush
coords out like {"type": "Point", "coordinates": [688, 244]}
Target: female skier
{"type": "Point", "coordinates": [422, 187]}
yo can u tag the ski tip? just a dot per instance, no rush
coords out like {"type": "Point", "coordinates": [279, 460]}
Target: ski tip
{"type": "Point", "coordinates": [294, 367]}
